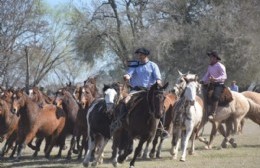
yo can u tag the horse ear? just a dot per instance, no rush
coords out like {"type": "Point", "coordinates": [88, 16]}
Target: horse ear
{"type": "Point", "coordinates": [165, 86]}
{"type": "Point", "coordinates": [180, 73]}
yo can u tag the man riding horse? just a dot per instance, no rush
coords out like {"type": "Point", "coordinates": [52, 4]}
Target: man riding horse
{"type": "Point", "coordinates": [142, 74]}
{"type": "Point", "coordinates": [216, 76]}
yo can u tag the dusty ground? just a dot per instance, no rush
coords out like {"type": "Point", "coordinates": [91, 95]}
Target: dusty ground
{"type": "Point", "coordinates": [247, 154]}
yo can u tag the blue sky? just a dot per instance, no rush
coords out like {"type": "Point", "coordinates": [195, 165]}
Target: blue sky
{"type": "Point", "coordinates": [55, 2]}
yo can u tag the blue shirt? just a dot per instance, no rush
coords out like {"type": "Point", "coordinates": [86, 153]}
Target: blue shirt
{"type": "Point", "coordinates": [234, 88]}
{"type": "Point", "coordinates": [144, 75]}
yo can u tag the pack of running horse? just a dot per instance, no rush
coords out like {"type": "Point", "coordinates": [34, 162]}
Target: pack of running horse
{"type": "Point", "coordinates": [82, 112]}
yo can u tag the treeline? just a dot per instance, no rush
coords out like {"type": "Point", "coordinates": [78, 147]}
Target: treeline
{"type": "Point", "coordinates": [39, 45]}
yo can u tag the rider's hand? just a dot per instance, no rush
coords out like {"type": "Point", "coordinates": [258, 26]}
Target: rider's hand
{"type": "Point", "coordinates": [126, 77]}
{"type": "Point", "coordinates": [212, 79]}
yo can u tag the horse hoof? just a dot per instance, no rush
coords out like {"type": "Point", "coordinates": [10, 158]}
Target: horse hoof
{"type": "Point", "coordinates": [115, 164]}
{"type": "Point", "coordinates": [75, 151]}
{"type": "Point", "coordinates": [191, 152]}
{"type": "Point", "coordinates": [151, 155]}
{"type": "Point", "coordinates": [234, 145]}
{"type": "Point", "coordinates": [182, 159]}
{"type": "Point", "coordinates": [85, 164]}
{"type": "Point", "coordinates": [94, 164]}
{"type": "Point", "coordinates": [207, 147]}
{"type": "Point", "coordinates": [158, 156]}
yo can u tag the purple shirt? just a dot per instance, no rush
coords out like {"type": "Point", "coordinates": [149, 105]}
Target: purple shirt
{"type": "Point", "coordinates": [218, 71]}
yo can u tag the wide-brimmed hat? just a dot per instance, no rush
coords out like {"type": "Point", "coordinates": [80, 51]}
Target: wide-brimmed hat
{"type": "Point", "coordinates": [142, 51]}
{"type": "Point", "coordinates": [214, 54]}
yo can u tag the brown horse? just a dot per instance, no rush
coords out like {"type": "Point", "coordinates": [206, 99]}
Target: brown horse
{"type": "Point", "coordinates": [35, 121]}
{"type": "Point", "coordinates": [38, 96]}
{"type": "Point", "coordinates": [85, 99]}
{"type": "Point", "coordinates": [71, 108]}
{"type": "Point", "coordinates": [170, 99]}
{"type": "Point", "coordinates": [143, 118]}
{"type": "Point", "coordinates": [9, 126]}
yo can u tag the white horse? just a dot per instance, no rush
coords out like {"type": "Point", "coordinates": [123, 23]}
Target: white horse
{"type": "Point", "coordinates": [188, 112]}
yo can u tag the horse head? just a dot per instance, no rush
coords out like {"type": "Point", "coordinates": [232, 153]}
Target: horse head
{"type": "Point", "coordinates": [86, 96]}
{"type": "Point", "coordinates": [111, 95]}
{"type": "Point", "coordinates": [18, 101]}
{"type": "Point", "coordinates": [182, 82]}
{"type": "Point", "coordinates": [156, 99]}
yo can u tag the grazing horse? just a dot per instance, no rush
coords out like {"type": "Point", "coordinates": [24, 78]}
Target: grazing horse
{"type": "Point", "coordinates": [99, 118]}
{"type": "Point", "coordinates": [144, 113]}
{"type": "Point", "coordinates": [170, 99]}
{"type": "Point", "coordinates": [35, 121]}
{"type": "Point", "coordinates": [188, 115]}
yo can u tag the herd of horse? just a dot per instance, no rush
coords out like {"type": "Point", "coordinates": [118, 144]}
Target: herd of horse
{"type": "Point", "coordinates": [91, 119]}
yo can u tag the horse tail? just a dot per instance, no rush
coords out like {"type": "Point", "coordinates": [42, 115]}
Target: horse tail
{"type": "Point", "coordinates": [254, 111]}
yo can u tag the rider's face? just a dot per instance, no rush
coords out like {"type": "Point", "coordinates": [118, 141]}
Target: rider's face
{"type": "Point", "coordinates": [141, 57]}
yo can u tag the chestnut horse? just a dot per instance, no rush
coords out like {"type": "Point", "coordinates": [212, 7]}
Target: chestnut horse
{"type": "Point", "coordinates": [146, 109]}
{"type": "Point", "coordinates": [35, 121]}
{"type": "Point", "coordinates": [9, 126]}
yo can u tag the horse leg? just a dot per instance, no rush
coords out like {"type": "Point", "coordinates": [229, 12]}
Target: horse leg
{"type": "Point", "coordinates": [22, 144]}
{"type": "Point", "coordinates": [72, 146]}
{"type": "Point", "coordinates": [83, 142]}
{"type": "Point", "coordinates": [155, 141]}
{"type": "Point", "coordinates": [185, 140]}
{"type": "Point", "coordinates": [91, 146]}
{"type": "Point", "coordinates": [99, 158]}
{"type": "Point", "coordinates": [52, 143]}
{"type": "Point", "coordinates": [37, 147]}
{"type": "Point", "coordinates": [192, 148]}
{"type": "Point", "coordinates": [137, 151]}
{"type": "Point", "coordinates": [176, 140]}
{"type": "Point", "coordinates": [158, 153]}
{"type": "Point", "coordinates": [2, 152]}
{"type": "Point", "coordinates": [215, 126]}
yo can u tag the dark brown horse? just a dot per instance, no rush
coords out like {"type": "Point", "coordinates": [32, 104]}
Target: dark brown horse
{"type": "Point", "coordinates": [36, 122]}
{"type": "Point", "coordinates": [71, 108]}
{"type": "Point", "coordinates": [170, 99]}
{"type": "Point", "coordinates": [143, 118]}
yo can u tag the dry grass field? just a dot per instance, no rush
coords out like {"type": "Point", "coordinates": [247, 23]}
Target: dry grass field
{"type": "Point", "coordinates": [247, 154]}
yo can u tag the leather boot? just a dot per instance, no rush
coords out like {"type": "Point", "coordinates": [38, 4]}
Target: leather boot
{"type": "Point", "coordinates": [213, 110]}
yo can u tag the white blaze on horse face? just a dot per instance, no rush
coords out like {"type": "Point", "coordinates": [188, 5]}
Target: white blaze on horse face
{"type": "Point", "coordinates": [31, 93]}
{"type": "Point", "coordinates": [190, 92]}
{"type": "Point", "coordinates": [110, 95]}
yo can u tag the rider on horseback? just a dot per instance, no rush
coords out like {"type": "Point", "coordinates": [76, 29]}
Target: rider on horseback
{"type": "Point", "coordinates": [215, 75]}
{"type": "Point", "coordinates": [142, 74]}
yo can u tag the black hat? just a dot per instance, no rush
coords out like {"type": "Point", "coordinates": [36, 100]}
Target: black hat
{"type": "Point", "coordinates": [214, 54]}
{"type": "Point", "coordinates": [142, 51]}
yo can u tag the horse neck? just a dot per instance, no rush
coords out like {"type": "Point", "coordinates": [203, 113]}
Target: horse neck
{"type": "Point", "coordinates": [30, 108]}
{"type": "Point", "coordinates": [6, 115]}
{"type": "Point", "coordinates": [254, 112]}
{"type": "Point", "coordinates": [69, 103]}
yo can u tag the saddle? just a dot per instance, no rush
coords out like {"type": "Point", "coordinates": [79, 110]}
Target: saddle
{"type": "Point", "coordinates": [225, 97]}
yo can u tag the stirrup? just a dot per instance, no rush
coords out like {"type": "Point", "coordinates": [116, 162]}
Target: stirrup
{"type": "Point", "coordinates": [165, 134]}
